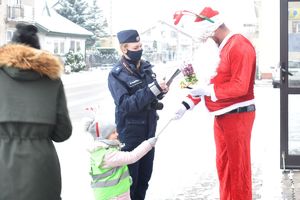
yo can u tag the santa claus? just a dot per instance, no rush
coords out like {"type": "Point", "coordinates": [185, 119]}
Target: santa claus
{"type": "Point", "coordinates": [230, 98]}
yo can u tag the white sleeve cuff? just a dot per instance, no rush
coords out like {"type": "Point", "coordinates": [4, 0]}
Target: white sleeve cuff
{"type": "Point", "coordinates": [213, 96]}
{"type": "Point", "coordinates": [190, 103]}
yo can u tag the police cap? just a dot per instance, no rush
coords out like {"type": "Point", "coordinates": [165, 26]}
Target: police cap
{"type": "Point", "coordinates": [128, 36]}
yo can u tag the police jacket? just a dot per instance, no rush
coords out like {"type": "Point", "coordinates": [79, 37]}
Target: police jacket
{"type": "Point", "coordinates": [135, 112]}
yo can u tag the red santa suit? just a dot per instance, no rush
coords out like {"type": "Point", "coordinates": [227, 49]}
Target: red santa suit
{"type": "Point", "coordinates": [231, 100]}
{"type": "Point", "coordinates": [233, 88]}
{"type": "Point", "coordinates": [232, 103]}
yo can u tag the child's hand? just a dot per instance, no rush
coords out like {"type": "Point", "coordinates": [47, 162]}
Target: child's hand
{"type": "Point", "coordinates": [152, 141]}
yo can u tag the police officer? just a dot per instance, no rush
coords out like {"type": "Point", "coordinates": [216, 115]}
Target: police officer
{"type": "Point", "coordinates": [136, 95]}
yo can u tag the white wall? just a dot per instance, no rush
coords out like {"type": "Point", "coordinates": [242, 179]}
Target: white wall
{"type": "Point", "coordinates": [47, 43]}
{"type": "Point", "coordinates": [269, 35]}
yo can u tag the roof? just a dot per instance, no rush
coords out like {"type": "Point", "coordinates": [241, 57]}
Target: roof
{"type": "Point", "coordinates": [52, 22]}
{"type": "Point", "coordinates": [168, 25]}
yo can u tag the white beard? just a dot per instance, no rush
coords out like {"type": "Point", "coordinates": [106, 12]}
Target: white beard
{"type": "Point", "coordinates": [206, 61]}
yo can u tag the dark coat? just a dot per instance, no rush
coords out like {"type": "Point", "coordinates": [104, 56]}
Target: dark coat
{"type": "Point", "coordinates": [33, 114]}
{"type": "Point", "coordinates": [135, 112]}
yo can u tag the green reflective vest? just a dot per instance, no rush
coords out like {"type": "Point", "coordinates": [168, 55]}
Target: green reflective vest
{"type": "Point", "coordinates": [108, 183]}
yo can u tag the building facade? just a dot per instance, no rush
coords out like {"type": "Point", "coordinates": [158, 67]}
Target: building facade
{"type": "Point", "coordinates": [57, 34]}
{"type": "Point", "coordinates": [163, 42]}
{"type": "Point", "coordinates": [12, 12]}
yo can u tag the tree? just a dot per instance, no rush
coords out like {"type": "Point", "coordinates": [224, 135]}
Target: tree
{"type": "Point", "coordinates": [88, 17]}
{"type": "Point", "coordinates": [74, 10]}
{"type": "Point", "coordinates": [75, 61]}
{"type": "Point", "coordinates": [96, 23]}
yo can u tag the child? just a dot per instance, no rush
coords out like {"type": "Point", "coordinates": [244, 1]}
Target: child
{"type": "Point", "coordinates": [109, 172]}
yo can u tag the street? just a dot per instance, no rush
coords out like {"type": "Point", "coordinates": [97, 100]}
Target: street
{"type": "Point", "coordinates": [184, 166]}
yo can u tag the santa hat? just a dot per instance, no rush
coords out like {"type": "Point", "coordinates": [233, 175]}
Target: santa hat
{"type": "Point", "coordinates": [211, 14]}
{"type": "Point", "coordinates": [209, 19]}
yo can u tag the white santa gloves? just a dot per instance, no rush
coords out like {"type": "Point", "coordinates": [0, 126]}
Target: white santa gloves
{"type": "Point", "coordinates": [201, 90]}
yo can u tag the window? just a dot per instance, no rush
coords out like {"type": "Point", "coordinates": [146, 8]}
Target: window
{"type": "Point", "coordinates": [298, 27]}
{"type": "Point", "coordinates": [14, 2]}
{"type": "Point", "coordinates": [55, 48]}
{"type": "Point", "coordinates": [78, 46]}
{"type": "Point", "coordinates": [72, 45]}
{"type": "Point", "coordinates": [59, 47]}
{"type": "Point", "coordinates": [173, 34]}
{"type": "Point", "coordinates": [62, 47]}
{"type": "Point", "coordinates": [295, 27]}
{"type": "Point", "coordinates": [9, 35]}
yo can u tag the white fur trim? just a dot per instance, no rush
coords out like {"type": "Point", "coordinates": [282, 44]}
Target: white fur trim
{"type": "Point", "coordinates": [228, 36]}
{"type": "Point", "coordinates": [213, 96]}
{"type": "Point", "coordinates": [190, 103]}
{"type": "Point", "coordinates": [232, 107]}
{"type": "Point", "coordinates": [208, 28]}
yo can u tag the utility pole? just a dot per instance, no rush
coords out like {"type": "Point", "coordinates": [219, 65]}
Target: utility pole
{"type": "Point", "coordinates": [110, 22]}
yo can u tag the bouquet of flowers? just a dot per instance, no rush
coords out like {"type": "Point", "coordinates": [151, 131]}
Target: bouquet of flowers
{"type": "Point", "coordinates": [189, 75]}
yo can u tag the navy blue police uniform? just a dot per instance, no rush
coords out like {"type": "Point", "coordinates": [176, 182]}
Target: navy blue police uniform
{"type": "Point", "coordinates": [136, 116]}
{"type": "Point", "coordinates": [135, 93]}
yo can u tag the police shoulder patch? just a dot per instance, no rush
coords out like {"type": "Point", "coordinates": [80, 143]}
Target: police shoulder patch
{"type": "Point", "coordinates": [135, 82]}
{"type": "Point", "coordinates": [116, 70]}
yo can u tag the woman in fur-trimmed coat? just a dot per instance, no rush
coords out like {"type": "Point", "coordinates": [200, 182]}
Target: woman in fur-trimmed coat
{"type": "Point", "coordinates": [33, 113]}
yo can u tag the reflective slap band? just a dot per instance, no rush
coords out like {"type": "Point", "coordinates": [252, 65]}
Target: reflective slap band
{"type": "Point", "coordinates": [186, 105]}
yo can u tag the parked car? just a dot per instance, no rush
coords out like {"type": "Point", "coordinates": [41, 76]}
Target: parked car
{"type": "Point", "coordinates": [294, 74]}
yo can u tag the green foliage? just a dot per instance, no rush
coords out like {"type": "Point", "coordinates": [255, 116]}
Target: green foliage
{"type": "Point", "coordinates": [96, 23]}
{"type": "Point", "coordinates": [74, 10]}
{"type": "Point", "coordinates": [75, 61]}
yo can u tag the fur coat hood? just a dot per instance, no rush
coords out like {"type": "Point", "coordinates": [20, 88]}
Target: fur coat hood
{"type": "Point", "coordinates": [26, 63]}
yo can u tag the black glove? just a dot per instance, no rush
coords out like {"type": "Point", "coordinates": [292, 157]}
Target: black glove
{"type": "Point", "coordinates": [156, 105]}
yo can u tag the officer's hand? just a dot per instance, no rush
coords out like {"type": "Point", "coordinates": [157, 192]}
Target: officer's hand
{"type": "Point", "coordinates": [164, 86]}
{"type": "Point", "coordinates": [152, 141]}
{"type": "Point", "coordinates": [180, 112]}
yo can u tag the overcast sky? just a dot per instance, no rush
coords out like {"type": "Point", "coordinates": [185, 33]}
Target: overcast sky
{"type": "Point", "coordinates": [140, 14]}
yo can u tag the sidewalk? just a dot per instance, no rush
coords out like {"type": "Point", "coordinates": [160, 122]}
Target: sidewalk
{"type": "Point", "coordinates": [189, 173]}
{"type": "Point", "coordinates": [184, 165]}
